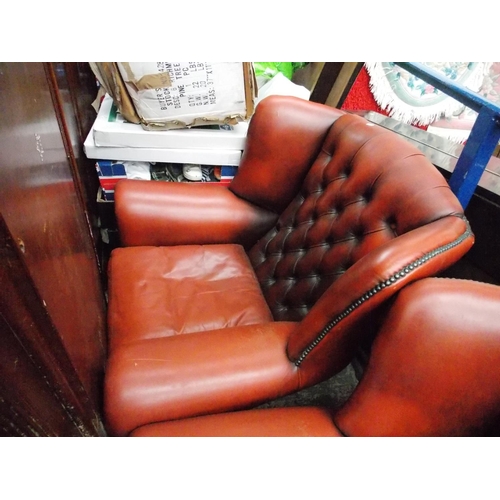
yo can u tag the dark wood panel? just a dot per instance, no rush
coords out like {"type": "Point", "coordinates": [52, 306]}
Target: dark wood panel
{"type": "Point", "coordinates": [43, 208]}
{"type": "Point", "coordinates": [335, 75]}
{"type": "Point", "coordinates": [40, 390]}
{"type": "Point", "coordinates": [74, 88]}
{"type": "Point", "coordinates": [27, 407]}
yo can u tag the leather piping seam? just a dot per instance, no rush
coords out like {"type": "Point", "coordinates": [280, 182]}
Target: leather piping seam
{"type": "Point", "coordinates": [380, 286]}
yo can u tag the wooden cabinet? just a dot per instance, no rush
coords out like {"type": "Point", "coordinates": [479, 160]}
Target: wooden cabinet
{"type": "Point", "coordinates": [52, 305]}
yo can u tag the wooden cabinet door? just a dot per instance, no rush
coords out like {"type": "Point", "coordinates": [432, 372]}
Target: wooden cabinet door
{"type": "Point", "coordinates": [52, 306]}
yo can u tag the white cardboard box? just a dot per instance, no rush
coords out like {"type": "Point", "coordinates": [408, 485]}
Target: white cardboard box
{"type": "Point", "coordinates": [111, 129]}
{"type": "Point", "coordinates": [167, 155]}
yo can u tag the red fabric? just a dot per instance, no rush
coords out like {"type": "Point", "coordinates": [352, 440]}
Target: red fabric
{"type": "Point", "coordinates": [360, 97]}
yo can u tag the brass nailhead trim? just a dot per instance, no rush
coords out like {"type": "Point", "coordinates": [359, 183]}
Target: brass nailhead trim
{"type": "Point", "coordinates": [377, 288]}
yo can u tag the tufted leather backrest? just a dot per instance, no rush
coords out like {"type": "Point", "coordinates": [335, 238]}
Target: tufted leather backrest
{"type": "Point", "coordinates": [366, 186]}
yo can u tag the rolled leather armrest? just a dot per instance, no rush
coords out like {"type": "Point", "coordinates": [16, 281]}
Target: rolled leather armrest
{"type": "Point", "coordinates": [433, 366]}
{"type": "Point", "coordinates": [198, 373]}
{"type": "Point", "coordinates": [325, 341]}
{"type": "Point", "coordinates": [164, 213]}
{"type": "Point", "coordinates": [270, 422]}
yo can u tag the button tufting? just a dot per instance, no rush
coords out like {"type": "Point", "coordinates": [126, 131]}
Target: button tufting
{"type": "Point", "coordinates": [377, 288]}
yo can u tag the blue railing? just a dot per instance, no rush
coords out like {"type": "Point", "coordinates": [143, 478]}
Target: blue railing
{"type": "Point", "coordinates": [483, 137]}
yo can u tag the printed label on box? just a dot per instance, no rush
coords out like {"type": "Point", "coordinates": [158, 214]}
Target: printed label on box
{"type": "Point", "coordinates": [194, 89]}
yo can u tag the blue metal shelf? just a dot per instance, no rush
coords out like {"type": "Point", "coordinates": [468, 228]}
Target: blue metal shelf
{"type": "Point", "coordinates": [484, 135]}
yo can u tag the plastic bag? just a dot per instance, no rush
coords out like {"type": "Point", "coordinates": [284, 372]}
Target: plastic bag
{"type": "Point", "coordinates": [269, 69]}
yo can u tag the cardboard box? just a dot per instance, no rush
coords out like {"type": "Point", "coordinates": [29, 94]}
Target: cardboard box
{"type": "Point", "coordinates": [108, 183]}
{"type": "Point", "coordinates": [107, 195]}
{"type": "Point", "coordinates": [166, 155]}
{"type": "Point", "coordinates": [228, 172]}
{"type": "Point", "coordinates": [109, 173]}
{"type": "Point", "coordinates": [110, 168]}
{"type": "Point", "coordinates": [171, 95]}
{"type": "Point", "coordinates": [112, 130]}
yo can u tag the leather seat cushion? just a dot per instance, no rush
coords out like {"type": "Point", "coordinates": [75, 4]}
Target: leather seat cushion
{"type": "Point", "coordinates": [162, 291]}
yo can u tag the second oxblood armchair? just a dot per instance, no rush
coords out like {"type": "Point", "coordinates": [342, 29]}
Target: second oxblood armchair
{"type": "Point", "coordinates": [223, 298]}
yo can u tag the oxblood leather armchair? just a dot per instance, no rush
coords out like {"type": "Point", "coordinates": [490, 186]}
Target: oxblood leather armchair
{"type": "Point", "coordinates": [223, 298]}
{"type": "Point", "coordinates": [433, 372]}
